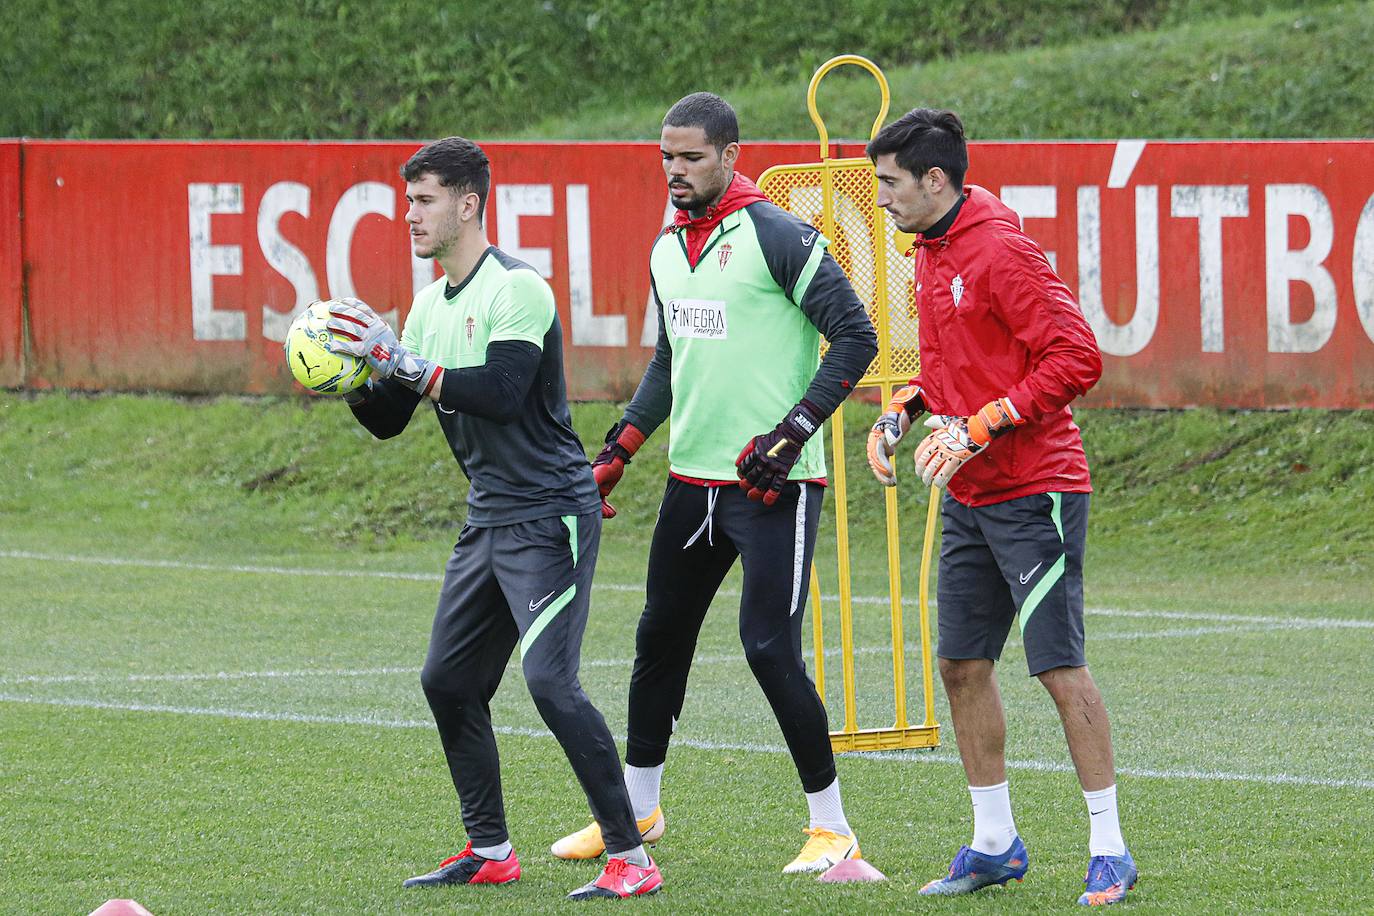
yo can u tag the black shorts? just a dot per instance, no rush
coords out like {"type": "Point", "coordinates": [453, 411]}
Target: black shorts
{"type": "Point", "coordinates": [1020, 556]}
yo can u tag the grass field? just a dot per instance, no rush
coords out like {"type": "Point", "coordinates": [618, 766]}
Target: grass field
{"type": "Point", "coordinates": [212, 615]}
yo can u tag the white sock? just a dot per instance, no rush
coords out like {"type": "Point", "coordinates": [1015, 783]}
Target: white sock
{"type": "Point", "coordinates": [494, 852]}
{"type": "Point", "coordinates": [1105, 838]}
{"type": "Point", "coordinates": [993, 828]}
{"type": "Point", "coordinates": [637, 856]}
{"type": "Point", "coordinates": [643, 785]}
{"type": "Point", "coordinates": [827, 811]}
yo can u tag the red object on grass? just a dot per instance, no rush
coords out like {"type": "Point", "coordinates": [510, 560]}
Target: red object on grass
{"type": "Point", "coordinates": [120, 908]}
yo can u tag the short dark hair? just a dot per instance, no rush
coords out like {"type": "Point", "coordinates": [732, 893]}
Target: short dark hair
{"type": "Point", "coordinates": [708, 111]}
{"type": "Point", "coordinates": [459, 164]}
{"type": "Point", "coordinates": [923, 139]}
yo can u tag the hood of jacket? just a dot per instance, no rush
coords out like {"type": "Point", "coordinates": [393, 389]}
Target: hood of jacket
{"type": "Point", "coordinates": [740, 193]}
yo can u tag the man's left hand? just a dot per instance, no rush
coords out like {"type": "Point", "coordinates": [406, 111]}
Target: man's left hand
{"type": "Point", "coordinates": [360, 332]}
{"type": "Point", "coordinates": [957, 439]}
{"type": "Point", "coordinates": [766, 461]}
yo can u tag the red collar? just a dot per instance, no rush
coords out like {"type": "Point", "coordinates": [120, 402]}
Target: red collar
{"type": "Point", "coordinates": [741, 193]}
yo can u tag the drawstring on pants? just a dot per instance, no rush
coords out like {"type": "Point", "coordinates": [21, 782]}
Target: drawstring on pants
{"type": "Point", "coordinates": [708, 523]}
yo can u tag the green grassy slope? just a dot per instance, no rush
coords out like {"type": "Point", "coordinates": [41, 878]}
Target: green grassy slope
{"type": "Point", "coordinates": [375, 69]}
{"type": "Point", "coordinates": [1188, 503]}
{"type": "Point", "coordinates": [1296, 73]}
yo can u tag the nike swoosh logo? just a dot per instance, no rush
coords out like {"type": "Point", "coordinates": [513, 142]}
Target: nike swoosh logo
{"type": "Point", "coordinates": [769, 641]}
{"type": "Point", "coordinates": [534, 605]}
{"type": "Point", "coordinates": [1095, 813]}
{"type": "Point", "coordinates": [638, 884]}
{"type": "Point", "coordinates": [443, 409]}
{"type": "Point", "coordinates": [1026, 577]}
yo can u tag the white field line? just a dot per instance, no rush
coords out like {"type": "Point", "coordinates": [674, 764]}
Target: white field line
{"type": "Point", "coordinates": [1042, 766]}
{"type": "Point", "coordinates": [207, 676]}
{"type": "Point", "coordinates": [1279, 622]}
{"type": "Point", "coordinates": [625, 663]}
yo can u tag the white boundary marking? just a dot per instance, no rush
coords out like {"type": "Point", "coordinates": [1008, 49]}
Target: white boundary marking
{"type": "Point", "coordinates": [625, 663]}
{"type": "Point", "coordinates": [1229, 623]}
{"type": "Point", "coordinates": [1040, 766]}
{"type": "Point", "coordinates": [1274, 622]}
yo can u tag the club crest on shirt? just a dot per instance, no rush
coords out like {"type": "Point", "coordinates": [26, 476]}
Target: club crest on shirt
{"type": "Point", "coordinates": [468, 328]}
{"type": "Point", "coordinates": [956, 289]}
{"type": "Point", "coordinates": [724, 255]}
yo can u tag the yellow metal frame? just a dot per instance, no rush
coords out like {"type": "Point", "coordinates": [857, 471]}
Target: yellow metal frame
{"type": "Point", "coordinates": [882, 375]}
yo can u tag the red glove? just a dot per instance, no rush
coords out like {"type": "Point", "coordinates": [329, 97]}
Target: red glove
{"type": "Point", "coordinates": [622, 441]}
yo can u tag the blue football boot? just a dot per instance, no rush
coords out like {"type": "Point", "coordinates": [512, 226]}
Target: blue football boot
{"type": "Point", "coordinates": [972, 870]}
{"type": "Point", "coordinates": [1108, 880]}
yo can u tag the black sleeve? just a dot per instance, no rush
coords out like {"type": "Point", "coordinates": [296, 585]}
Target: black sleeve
{"type": "Point", "coordinates": [828, 301]}
{"type": "Point", "coordinates": [496, 389]}
{"type": "Point", "coordinates": [833, 307]}
{"type": "Point", "coordinates": [653, 399]}
{"type": "Point", "coordinates": [385, 408]}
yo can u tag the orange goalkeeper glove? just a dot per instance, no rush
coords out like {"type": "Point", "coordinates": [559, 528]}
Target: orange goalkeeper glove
{"type": "Point", "coordinates": [957, 439]}
{"type": "Point", "coordinates": [888, 431]}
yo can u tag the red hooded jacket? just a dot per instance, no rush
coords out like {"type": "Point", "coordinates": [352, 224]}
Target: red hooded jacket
{"type": "Point", "coordinates": [995, 320]}
{"type": "Point", "coordinates": [740, 193]}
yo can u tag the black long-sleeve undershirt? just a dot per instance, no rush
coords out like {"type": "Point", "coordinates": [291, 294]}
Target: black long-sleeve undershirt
{"type": "Point", "coordinates": [495, 390]}
{"type": "Point", "coordinates": [653, 398]}
{"type": "Point", "coordinates": [385, 408]}
{"type": "Point", "coordinates": [832, 306]}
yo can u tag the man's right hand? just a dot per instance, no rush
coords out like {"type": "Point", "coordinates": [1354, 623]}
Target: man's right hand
{"type": "Point", "coordinates": [888, 431]}
{"type": "Point", "coordinates": [622, 441]}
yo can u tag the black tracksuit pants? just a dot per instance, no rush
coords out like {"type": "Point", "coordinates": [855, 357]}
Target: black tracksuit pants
{"type": "Point", "coordinates": [700, 532]}
{"type": "Point", "coordinates": [526, 584]}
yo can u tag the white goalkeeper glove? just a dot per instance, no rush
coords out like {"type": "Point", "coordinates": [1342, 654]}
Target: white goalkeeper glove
{"type": "Point", "coordinates": [888, 431]}
{"type": "Point", "coordinates": [361, 332]}
{"type": "Point", "coordinates": [957, 439]}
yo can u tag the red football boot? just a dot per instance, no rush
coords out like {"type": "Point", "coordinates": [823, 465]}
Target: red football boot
{"type": "Point", "coordinates": [620, 879]}
{"type": "Point", "coordinates": [469, 868]}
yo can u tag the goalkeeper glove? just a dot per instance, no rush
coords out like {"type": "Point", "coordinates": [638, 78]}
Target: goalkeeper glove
{"type": "Point", "coordinates": [766, 461]}
{"type": "Point", "coordinates": [957, 439]}
{"type": "Point", "coordinates": [889, 430]}
{"type": "Point", "coordinates": [360, 332]}
{"type": "Point", "coordinates": [622, 441]}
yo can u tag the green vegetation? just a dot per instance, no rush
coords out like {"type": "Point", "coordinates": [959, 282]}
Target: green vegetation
{"type": "Point", "coordinates": [214, 612]}
{"type": "Point", "coordinates": [1296, 73]}
{"type": "Point", "coordinates": [378, 69]}
{"type": "Point", "coordinates": [1189, 503]}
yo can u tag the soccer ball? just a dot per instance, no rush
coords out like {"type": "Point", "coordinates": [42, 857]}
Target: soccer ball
{"type": "Point", "coordinates": [309, 358]}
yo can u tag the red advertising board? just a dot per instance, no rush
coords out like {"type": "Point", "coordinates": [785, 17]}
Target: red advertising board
{"type": "Point", "coordinates": [1233, 274]}
{"type": "Point", "coordinates": [11, 267]}
{"type": "Point", "coordinates": [1228, 274]}
{"type": "Point", "coordinates": [188, 259]}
